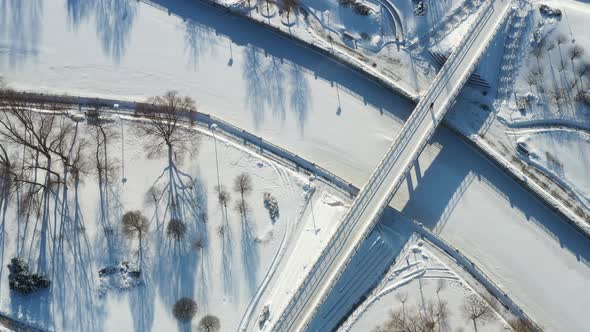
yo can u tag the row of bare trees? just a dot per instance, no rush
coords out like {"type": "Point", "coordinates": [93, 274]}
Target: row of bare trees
{"type": "Point", "coordinates": [433, 316]}
{"type": "Point", "coordinates": [564, 87]}
{"type": "Point", "coordinates": [47, 156]}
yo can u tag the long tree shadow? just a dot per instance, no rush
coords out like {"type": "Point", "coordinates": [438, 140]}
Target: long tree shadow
{"type": "Point", "coordinates": [250, 255]}
{"type": "Point", "coordinates": [142, 303]}
{"type": "Point", "coordinates": [114, 20]}
{"type": "Point", "coordinates": [79, 11]}
{"type": "Point", "coordinates": [262, 47]}
{"type": "Point", "coordinates": [20, 23]}
{"type": "Point", "coordinates": [181, 199]}
{"type": "Point", "coordinates": [300, 96]}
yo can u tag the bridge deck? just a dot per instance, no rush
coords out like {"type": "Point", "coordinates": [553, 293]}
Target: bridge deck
{"type": "Point", "coordinates": [384, 182]}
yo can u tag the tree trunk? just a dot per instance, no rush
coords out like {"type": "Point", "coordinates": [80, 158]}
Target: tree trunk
{"type": "Point", "coordinates": [140, 251]}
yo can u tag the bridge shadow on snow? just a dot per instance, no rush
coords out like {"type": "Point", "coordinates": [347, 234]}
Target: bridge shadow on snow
{"type": "Point", "coordinates": [365, 271]}
{"type": "Point", "coordinates": [443, 185]}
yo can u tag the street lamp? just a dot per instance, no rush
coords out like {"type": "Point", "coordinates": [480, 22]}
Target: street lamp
{"type": "Point", "coordinates": [123, 178]}
{"type": "Point", "coordinates": [213, 129]}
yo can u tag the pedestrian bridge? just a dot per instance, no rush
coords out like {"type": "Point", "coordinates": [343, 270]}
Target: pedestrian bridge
{"type": "Point", "coordinates": [368, 206]}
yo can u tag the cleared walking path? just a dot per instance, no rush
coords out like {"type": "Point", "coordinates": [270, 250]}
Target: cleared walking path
{"type": "Point", "coordinates": [384, 182]}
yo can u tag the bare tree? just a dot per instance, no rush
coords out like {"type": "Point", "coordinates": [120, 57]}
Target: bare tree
{"type": "Point", "coordinates": [135, 224]}
{"type": "Point", "coordinates": [575, 52]}
{"type": "Point", "coordinates": [185, 309]}
{"type": "Point", "coordinates": [558, 96]}
{"type": "Point", "coordinates": [441, 284]}
{"type": "Point", "coordinates": [521, 325]}
{"type": "Point", "coordinates": [8, 178]}
{"type": "Point", "coordinates": [243, 185]}
{"type": "Point", "coordinates": [416, 319]}
{"type": "Point", "coordinates": [163, 129]}
{"type": "Point", "coordinates": [538, 53]}
{"type": "Point", "coordinates": [223, 196]}
{"type": "Point", "coordinates": [198, 243]}
{"type": "Point", "coordinates": [582, 70]}
{"type": "Point", "coordinates": [209, 323]}
{"type": "Point", "coordinates": [562, 66]}
{"type": "Point", "coordinates": [478, 310]}
{"type": "Point", "coordinates": [402, 298]}
{"type": "Point", "coordinates": [549, 46]}
{"type": "Point", "coordinates": [561, 39]}
{"type": "Point", "coordinates": [289, 6]}
{"type": "Point", "coordinates": [176, 229]}
{"type": "Point", "coordinates": [51, 156]}
{"type": "Point", "coordinates": [531, 79]}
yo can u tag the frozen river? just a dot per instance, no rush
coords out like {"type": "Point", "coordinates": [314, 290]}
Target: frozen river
{"type": "Point", "coordinates": [309, 105]}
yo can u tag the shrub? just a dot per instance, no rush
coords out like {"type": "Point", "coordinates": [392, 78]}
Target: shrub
{"type": "Point", "coordinates": [20, 279]}
{"type": "Point", "coordinates": [184, 309]}
{"type": "Point", "coordinates": [361, 9]}
{"type": "Point", "coordinates": [271, 204]}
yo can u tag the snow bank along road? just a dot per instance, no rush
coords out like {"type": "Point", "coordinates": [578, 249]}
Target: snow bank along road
{"type": "Point", "coordinates": [386, 179]}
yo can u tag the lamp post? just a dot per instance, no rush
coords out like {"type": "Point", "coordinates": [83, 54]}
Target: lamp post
{"type": "Point", "coordinates": [123, 178]}
{"type": "Point", "coordinates": [213, 129]}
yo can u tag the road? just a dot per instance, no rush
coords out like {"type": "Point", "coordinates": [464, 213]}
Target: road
{"type": "Point", "coordinates": [391, 171]}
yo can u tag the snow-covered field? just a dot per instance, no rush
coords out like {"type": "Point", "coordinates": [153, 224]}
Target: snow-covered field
{"type": "Point", "coordinates": [222, 276]}
{"type": "Point", "coordinates": [565, 154]}
{"type": "Point", "coordinates": [323, 112]}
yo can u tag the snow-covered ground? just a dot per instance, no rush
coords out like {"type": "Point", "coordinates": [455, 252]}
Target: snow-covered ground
{"type": "Point", "coordinates": [324, 112]}
{"type": "Point", "coordinates": [223, 276]}
{"type": "Point", "coordinates": [565, 154]}
{"type": "Point", "coordinates": [417, 278]}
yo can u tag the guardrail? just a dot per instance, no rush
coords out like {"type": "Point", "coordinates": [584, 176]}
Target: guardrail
{"type": "Point", "coordinates": [295, 161]}
{"type": "Point", "coordinates": [286, 320]}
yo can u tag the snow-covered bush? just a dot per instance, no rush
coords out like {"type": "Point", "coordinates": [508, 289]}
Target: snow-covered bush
{"type": "Point", "coordinates": [20, 279]}
{"type": "Point", "coordinates": [184, 309]}
{"type": "Point", "coordinates": [549, 12]}
{"type": "Point", "coordinates": [121, 276]}
{"type": "Point", "coordinates": [357, 6]}
{"type": "Point", "coordinates": [272, 205]}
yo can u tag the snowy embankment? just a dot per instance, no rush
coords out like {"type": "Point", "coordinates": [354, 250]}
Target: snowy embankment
{"type": "Point", "coordinates": [220, 261]}
{"type": "Point", "coordinates": [565, 155]}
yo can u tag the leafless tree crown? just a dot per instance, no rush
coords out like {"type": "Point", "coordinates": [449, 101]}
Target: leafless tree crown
{"type": "Point", "coordinates": [163, 129]}
{"type": "Point", "coordinates": [134, 223]}
{"type": "Point", "coordinates": [209, 323]}
{"type": "Point", "coordinates": [176, 229]}
{"type": "Point", "coordinates": [478, 310]}
{"type": "Point", "coordinates": [185, 309]}
{"type": "Point", "coordinates": [429, 318]}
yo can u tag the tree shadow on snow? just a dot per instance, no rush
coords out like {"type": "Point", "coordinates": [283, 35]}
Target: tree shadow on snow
{"type": "Point", "coordinates": [114, 20]}
{"type": "Point", "coordinates": [262, 48]}
{"type": "Point", "coordinates": [250, 255]}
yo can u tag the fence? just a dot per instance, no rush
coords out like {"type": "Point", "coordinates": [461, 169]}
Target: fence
{"type": "Point", "coordinates": [293, 160]}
